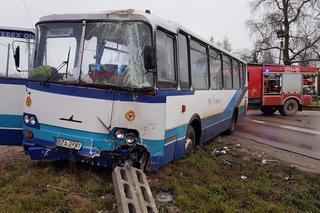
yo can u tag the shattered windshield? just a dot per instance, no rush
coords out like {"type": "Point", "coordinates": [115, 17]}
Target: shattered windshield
{"type": "Point", "coordinates": [113, 54]}
{"type": "Point", "coordinates": [57, 52]}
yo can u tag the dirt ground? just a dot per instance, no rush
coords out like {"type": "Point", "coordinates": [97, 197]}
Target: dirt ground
{"type": "Point", "coordinates": [10, 154]}
{"type": "Point", "coordinates": [268, 152]}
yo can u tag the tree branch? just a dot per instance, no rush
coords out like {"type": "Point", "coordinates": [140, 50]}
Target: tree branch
{"type": "Point", "coordinates": [298, 11]}
{"type": "Point", "coordinates": [305, 48]}
{"type": "Point", "coordinates": [278, 5]}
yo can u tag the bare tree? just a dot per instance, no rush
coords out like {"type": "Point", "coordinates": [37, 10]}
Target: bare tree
{"type": "Point", "coordinates": [225, 43]}
{"type": "Point", "coordinates": [288, 29]}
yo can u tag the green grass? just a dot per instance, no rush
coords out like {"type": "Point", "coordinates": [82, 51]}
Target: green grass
{"type": "Point", "coordinates": [204, 183]}
{"type": "Point", "coordinates": [23, 187]}
{"type": "Point", "coordinates": [200, 183]}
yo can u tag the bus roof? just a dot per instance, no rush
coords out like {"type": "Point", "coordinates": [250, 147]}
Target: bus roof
{"type": "Point", "coordinates": [131, 14]}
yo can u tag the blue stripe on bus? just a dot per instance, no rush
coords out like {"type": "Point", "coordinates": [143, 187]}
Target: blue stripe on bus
{"type": "Point", "coordinates": [11, 137]}
{"type": "Point", "coordinates": [13, 81]}
{"type": "Point", "coordinates": [49, 133]}
{"type": "Point", "coordinates": [11, 121]}
{"type": "Point", "coordinates": [178, 132]}
{"type": "Point", "coordinates": [94, 93]}
{"type": "Point", "coordinates": [174, 92]}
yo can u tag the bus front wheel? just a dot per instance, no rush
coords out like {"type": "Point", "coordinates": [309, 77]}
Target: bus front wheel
{"type": "Point", "coordinates": [190, 141]}
{"type": "Point", "coordinates": [289, 108]}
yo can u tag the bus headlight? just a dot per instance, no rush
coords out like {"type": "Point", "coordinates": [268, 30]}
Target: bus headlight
{"type": "Point", "coordinates": [32, 120]}
{"type": "Point", "coordinates": [26, 119]}
{"type": "Point", "coordinates": [120, 133]}
{"type": "Point", "coordinates": [131, 139]}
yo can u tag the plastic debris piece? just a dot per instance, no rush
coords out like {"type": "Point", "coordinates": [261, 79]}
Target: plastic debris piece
{"type": "Point", "coordinates": [229, 162]}
{"type": "Point", "coordinates": [222, 151]}
{"type": "Point", "coordinates": [265, 161]}
{"type": "Point", "coordinates": [243, 178]}
{"type": "Point", "coordinates": [165, 197]}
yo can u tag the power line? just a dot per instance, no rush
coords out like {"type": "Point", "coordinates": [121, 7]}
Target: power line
{"type": "Point", "coordinates": [26, 8]}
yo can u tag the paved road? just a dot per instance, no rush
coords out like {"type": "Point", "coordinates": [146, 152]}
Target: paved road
{"type": "Point", "coordinates": [299, 134]}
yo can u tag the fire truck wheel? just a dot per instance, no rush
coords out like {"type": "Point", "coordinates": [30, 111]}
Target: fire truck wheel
{"type": "Point", "coordinates": [289, 108]}
{"type": "Point", "coordinates": [268, 110]}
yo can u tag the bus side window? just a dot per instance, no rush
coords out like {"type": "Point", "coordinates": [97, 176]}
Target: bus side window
{"type": "Point", "coordinates": [227, 72]}
{"type": "Point", "coordinates": [236, 74]}
{"type": "Point", "coordinates": [199, 66]}
{"type": "Point", "coordinates": [7, 65]}
{"type": "Point", "coordinates": [165, 60]}
{"type": "Point", "coordinates": [183, 58]}
{"type": "Point", "coordinates": [215, 69]}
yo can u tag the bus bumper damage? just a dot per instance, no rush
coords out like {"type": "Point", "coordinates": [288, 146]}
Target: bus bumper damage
{"type": "Point", "coordinates": [137, 155]}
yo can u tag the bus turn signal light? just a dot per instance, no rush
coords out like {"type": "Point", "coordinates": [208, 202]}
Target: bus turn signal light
{"type": "Point", "coordinates": [29, 134]}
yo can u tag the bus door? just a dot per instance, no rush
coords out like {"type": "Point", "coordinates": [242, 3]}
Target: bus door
{"type": "Point", "coordinates": [12, 83]}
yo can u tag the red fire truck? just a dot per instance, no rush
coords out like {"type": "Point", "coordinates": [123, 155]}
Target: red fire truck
{"type": "Point", "coordinates": [283, 88]}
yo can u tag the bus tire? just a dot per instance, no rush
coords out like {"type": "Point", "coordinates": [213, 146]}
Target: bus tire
{"type": "Point", "coordinates": [268, 110]}
{"type": "Point", "coordinates": [290, 108]}
{"type": "Point", "coordinates": [232, 124]}
{"type": "Point", "coordinates": [190, 141]}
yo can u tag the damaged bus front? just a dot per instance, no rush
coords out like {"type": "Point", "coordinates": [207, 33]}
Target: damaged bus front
{"type": "Point", "coordinates": [88, 96]}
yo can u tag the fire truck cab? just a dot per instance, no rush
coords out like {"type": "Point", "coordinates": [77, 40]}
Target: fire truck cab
{"type": "Point", "coordinates": [283, 88]}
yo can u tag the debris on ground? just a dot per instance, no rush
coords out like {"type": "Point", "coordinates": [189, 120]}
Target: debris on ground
{"type": "Point", "coordinates": [132, 190]}
{"type": "Point", "coordinates": [272, 163]}
{"type": "Point", "coordinates": [78, 200]}
{"type": "Point", "coordinates": [229, 162]}
{"type": "Point", "coordinates": [243, 178]}
{"type": "Point", "coordinates": [165, 197]}
{"type": "Point", "coordinates": [221, 151]}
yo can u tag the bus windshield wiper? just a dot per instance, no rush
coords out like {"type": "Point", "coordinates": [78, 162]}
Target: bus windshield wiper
{"type": "Point", "coordinates": [59, 68]}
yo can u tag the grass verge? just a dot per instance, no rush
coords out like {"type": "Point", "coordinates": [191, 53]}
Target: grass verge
{"type": "Point", "coordinates": [203, 182]}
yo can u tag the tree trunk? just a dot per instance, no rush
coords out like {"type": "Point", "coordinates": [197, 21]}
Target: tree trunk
{"type": "Point", "coordinates": [286, 56]}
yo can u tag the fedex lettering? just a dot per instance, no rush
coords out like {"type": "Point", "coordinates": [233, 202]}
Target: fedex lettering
{"type": "Point", "coordinates": [12, 34]}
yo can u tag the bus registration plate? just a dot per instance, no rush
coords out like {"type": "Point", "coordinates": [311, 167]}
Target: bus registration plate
{"type": "Point", "coordinates": [69, 144]}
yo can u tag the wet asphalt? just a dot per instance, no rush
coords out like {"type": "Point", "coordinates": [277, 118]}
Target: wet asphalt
{"type": "Point", "coordinates": [299, 134]}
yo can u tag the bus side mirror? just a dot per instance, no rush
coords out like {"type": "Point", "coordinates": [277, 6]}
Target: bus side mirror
{"type": "Point", "coordinates": [17, 57]}
{"type": "Point", "coordinates": [149, 57]}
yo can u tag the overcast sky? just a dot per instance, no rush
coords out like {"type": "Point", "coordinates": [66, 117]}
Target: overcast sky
{"type": "Point", "coordinates": [217, 18]}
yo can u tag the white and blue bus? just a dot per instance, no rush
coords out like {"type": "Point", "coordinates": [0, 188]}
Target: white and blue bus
{"type": "Point", "coordinates": [127, 86]}
{"type": "Point", "coordinates": [12, 83]}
